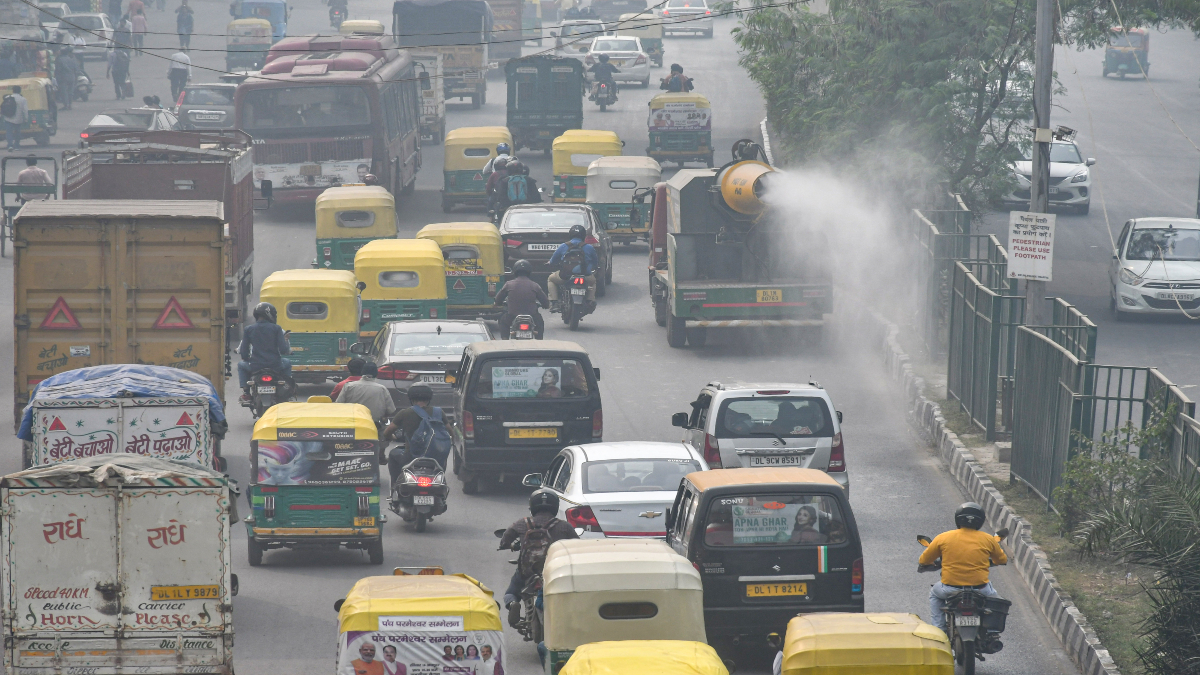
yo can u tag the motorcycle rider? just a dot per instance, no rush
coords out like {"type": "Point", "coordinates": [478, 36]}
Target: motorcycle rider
{"type": "Point", "coordinates": [370, 179]}
{"type": "Point", "coordinates": [543, 509]}
{"type": "Point", "coordinates": [508, 190]}
{"type": "Point", "coordinates": [264, 344]}
{"type": "Point", "coordinates": [966, 554]}
{"type": "Point", "coordinates": [408, 421]}
{"type": "Point", "coordinates": [335, 6]}
{"type": "Point", "coordinates": [524, 296]}
{"type": "Point", "coordinates": [590, 262]}
{"type": "Point", "coordinates": [676, 81]}
{"type": "Point", "coordinates": [503, 152]}
{"type": "Point", "coordinates": [603, 72]}
{"type": "Point", "coordinates": [499, 172]}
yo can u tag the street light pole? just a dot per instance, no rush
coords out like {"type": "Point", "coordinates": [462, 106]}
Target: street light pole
{"type": "Point", "coordinates": [1036, 309]}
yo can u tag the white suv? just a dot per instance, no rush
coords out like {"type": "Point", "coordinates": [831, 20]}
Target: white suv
{"type": "Point", "coordinates": [769, 424]}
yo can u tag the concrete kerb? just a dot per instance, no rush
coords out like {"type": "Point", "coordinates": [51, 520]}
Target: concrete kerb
{"type": "Point", "coordinates": [1069, 624]}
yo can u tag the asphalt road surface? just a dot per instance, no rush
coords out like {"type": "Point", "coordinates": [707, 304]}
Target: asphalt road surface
{"type": "Point", "coordinates": [285, 620]}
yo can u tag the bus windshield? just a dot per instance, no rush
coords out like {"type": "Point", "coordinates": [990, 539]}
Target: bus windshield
{"type": "Point", "coordinates": [318, 108]}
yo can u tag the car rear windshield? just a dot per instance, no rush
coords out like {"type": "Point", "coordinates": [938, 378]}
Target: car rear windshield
{"type": "Point", "coordinates": [778, 416]}
{"type": "Point", "coordinates": [1065, 153]}
{"type": "Point", "coordinates": [774, 520]}
{"type": "Point", "coordinates": [209, 96]}
{"type": "Point", "coordinates": [544, 220]}
{"type": "Point", "coordinates": [637, 475]}
{"type": "Point", "coordinates": [135, 120]}
{"type": "Point", "coordinates": [433, 344]}
{"type": "Point", "coordinates": [1164, 244]}
{"type": "Point", "coordinates": [700, 4]}
{"type": "Point", "coordinates": [532, 378]}
{"type": "Point", "coordinates": [615, 46]}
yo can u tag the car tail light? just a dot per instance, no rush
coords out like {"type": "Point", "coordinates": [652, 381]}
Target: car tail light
{"type": "Point", "coordinates": [265, 378]}
{"type": "Point", "coordinates": [582, 516]}
{"type": "Point", "coordinates": [512, 243]}
{"type": "Point", "coordinates": [712, 453]}
{"type": "Point", "coordinates": [468, 422]}
{"type": "Point", "coordinates": [433, 313]}
{"type": "Point", "coordinates": [83, 135]}
{"type": "Point", "coordinates": [598, 423]}
{"type": "Point", "coordinates": [393, 373]}
{"type": "Point", "coordinates": [639, 60]}
{"type": "Point", "coordinates": [837, 454]}
{"type": "Point", "coordinates": [856, 577]}
{"type": "Point", "coordinates": [707, 12]}
{"type": "Point", "coordinates": [666, 13]}
{"type": "Point", "coordinates": [591, 240]}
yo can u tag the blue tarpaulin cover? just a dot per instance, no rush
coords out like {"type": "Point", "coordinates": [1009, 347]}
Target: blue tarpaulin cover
{"type": "Point", "coordinates": [124, 381]}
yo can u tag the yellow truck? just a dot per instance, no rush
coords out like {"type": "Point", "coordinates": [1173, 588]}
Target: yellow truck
{"type": "Point", "coordinates": [118, 281]}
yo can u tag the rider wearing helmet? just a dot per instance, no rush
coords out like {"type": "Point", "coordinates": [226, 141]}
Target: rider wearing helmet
{"type": "Point", "coordinates": [503, 151]}
{"type": "Point", "coordinates": [408, 421]}
{"type": "Point", "coordinates": [603, 72]}
{"type": "Point", "coordinates": [966, 554]}
{"type": "Point", "coordinates": [543, 509]}
{"type": "Point", "coordinates": [507, 193]}
{"type": "Point", "coordinates": [370, 179]}
{"type": "Point", "coordinates": [491, 188]}
{"type": "Point", "coordinates": [590, 262]}
{"type": "Point", "coordinates": [524, 296]}
{"type": "Point", "coordinates": [264, 344]}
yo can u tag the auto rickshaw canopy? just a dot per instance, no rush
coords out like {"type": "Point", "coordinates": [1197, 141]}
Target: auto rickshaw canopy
{"type": "Point", "coordinates": [843, 643]}
{"type": "Point", "coordinates": [32, 88]}
{"type": "Point", "coordinates": [356, 212]}
{"type": "Point", "coordinates": [316, 416]}
{"type": "Point", "coordinates": [482, 236]}
{"type": "Point", "coordinates": [614, 179]}
{"type": "Point", "coordinates": [638, 657]}
{"type": "Point", "coordinates": [334, 289]}
{"type": "Point", "coordinates": [249, 31]}
{"type": "Point", "coordinates": [470, 148]}
{"type": "Point", "coordinates": [620, 589]}
{"type": "Point", "coordinates": [419, 595]}
{"type": "Point", "coordinates": [642, 25]}
{"type": "Point", "coordinates": [576, 149]}
{"type": "Point", "coordinates": [362, 27]}
{"type": "Point", "coordinates": [401, 269]}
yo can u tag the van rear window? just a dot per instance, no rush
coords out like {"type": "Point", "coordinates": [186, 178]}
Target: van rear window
{"type": "Point", "coordinates": [774, 520]}
{"type": "Point", "coordinates": [785, 416]}
{"type": "Point", "coordinates": [532, 378]}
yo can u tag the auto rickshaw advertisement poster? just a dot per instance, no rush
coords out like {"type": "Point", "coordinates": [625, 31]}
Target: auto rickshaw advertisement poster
{"type": "Point", "coordinates": [320, 462]}
{"type": "Point", "coordinates": [426, 645]}
{"type": "Point", "coordinates": [681, 115]}
{"type": "Point", "coordinates": [776, 519]}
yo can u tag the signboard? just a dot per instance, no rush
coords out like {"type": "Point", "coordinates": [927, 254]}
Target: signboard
{"type": "Point", "coordinates": [1031, 246]}
{"type": "Point", "coordinates": [525, 382]}
{"type": "Point", "coordinates": [424, 650]}
{"type": "Point", "coordinates": [164, 428]}
{"type": "Point", "coordinates": [684, 116]}
{"type": "Point", "coordinates": [328, 461]}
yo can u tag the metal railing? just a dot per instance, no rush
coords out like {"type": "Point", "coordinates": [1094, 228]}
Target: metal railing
{"type": "Point", "coordinates": [1185, 453]}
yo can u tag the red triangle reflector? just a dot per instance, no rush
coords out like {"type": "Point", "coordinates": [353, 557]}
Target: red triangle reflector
{"type": "Point", "coordinates": [478, 176]}
{"type": "Point", "coordinates": [60, 317]}
{"type": "Point", "coordinates": [173, 316]}
{"type": "Point", "coordinates": [184, 420]}
{"type": "Point", "coordinates": [57, 425]}
{"type": "Point", "coordinates": [459, 285]}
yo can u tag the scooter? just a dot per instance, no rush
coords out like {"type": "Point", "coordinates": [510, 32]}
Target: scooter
{"type": "Point", "coordinates": [523, 328]}
{"type": "Point", "coordinates": [532, 623]}
{"type": "Point", "coordinates": [83, 86]}
{"type": "Point", "coordinates": [604, 94]}
{"type": "Point", "coordinates": [576, 305]}
{"type": "Point", "coordinates": [267, 388]}
{"type": "Point", "coordinates": [336, 16]}
{"type": "Point", "coordinates": [973, 620]}
{"type": "Point", "coordinates": [421, 492]}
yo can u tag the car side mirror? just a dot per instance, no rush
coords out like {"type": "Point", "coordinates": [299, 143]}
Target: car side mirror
{"type": "Point", "coordinates": [358, 348]}
{"type": "Point", "coordinates": [839, 415]}
{"type": "Point", "coordinates": [533, 480]}
{"type": "Point", "coordinates": [266, 188]}
{"type": "Point", "coordinates": [337, 604]}
{"type": "Point", "coordinates": [597, 372]}
{"type": "Point", "coordinates": [1091, 161]}
{"type": "Point", "coordinates": [680, 419]}
{"type": "Point", "coordinates": [361, 286]}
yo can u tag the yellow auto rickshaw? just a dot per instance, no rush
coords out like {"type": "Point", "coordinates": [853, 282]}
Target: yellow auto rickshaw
{"type": "Point", "coordinates": [639, 657]}
{"type": "Point", "coordinates": [611, 185]}
{"type": "Point", "coordinates": [680, 128]}
{"type": "Point", "coordinates": [402, 279]}
{"type": "Point", "coordinates": [362, 27]}
{"type": "Point", "coordinates": [41, 96]}
{"type": "Point", "coordinates": [618, 589]}
{"type": "Point", "coordinates": [468, 150]}
{"type": "Point", "coordinates": [574, 151]}
{"type": "Point", "coordinates": [419, 621]}
{"type": "Point", "coordinates": [247, 42]}
{"type": "Point", "coordinates": [321, 309]}
{"type": "Point", "coordinates": [474, 256]}
{"type": "Point", "coordinates": [648, 27]}
{"type": "Point", "coordinates": [347, 218]}
{"type": "Point", "coordinates": [844, 643]}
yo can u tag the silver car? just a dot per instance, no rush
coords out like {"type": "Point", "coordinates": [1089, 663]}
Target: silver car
{"type": "Point", "coordinates": [687, 16]}
{"type": "Point", "coordinates": [1155, 268]}
{"type": "Point", "coordinates": [1070, 179]}
{"type": "Point", "coordinates": [206, 106]}
{"type": "Point", "coordinates": [625, 53]}
{"type": "Point", "coordinates": [420, 352]}
{"type": "Point", "coordinates": [97, 33]}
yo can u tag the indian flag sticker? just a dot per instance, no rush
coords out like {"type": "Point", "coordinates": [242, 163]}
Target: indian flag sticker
{"type": "Point", "coordinates": [822, 559]}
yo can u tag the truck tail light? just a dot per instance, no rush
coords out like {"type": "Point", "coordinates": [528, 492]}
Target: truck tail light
{"type": "Point", "coordinates": [468, 421]}
{"type": "Point", "coordinates": [856, 577]}
{"type": "Point", "coordinates": [837, 454]}
{"type": "Point", "coordinates": [598, 423]}
{"type": "Point", "coordinates": [582, 516]}
{"type": "Point", "coordinates": [712, 453]}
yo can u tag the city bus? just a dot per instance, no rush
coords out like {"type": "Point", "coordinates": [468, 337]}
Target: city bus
{"type": "Point", "coordinates": [328, 118]}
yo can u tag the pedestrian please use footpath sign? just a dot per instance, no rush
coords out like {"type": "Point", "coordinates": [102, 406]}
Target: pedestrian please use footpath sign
{"type": "Point", "coordinates": [1030, 246]}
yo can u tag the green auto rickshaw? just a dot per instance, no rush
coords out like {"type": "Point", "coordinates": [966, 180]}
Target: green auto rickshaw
{"type": "Point", "coordinates": [680, 128]}
{"type": "Point", "coordinates": [42, 99]}
{"type": "Point", "coordinates": [468, 150]}
{"type": "Point", "coordinates": [474, 256]}
{"type": "Point", "coordinates": [321, 309]}
{"type": "Point", "coordinates": [612, 183]}
{"type": "Point", "coordinates": [347, 218]}
{"type": "Point", "coordinates": [402, 279]}
{"type": "Point", "coordinates": [1127, 52]}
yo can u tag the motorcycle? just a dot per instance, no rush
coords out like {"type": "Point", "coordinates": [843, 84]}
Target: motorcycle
{"type": "Point", "coordinates": [532, 620]}
{"type": "Point", "coordinates": [604, 94]}
{"type": "Point", "coordinates": [267, 388]}
{"type": "Point", "coordinates": [83, 86]}
{"type": "Point", "coordinates": [336, 16]}
{"type": "Point", "coordinates": [421, 493]}
{"type": "Point", "coordinates": [523, 328]}
{"type": "Point", "coordinates": [974, 621]}
{"type": "Point", "coordinates": [576, 305]}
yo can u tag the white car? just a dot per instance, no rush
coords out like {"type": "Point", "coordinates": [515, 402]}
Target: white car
{"type": "Point", "coordinates": [97, 34]}
{"type": "Point", "coordinates": [618, 489]}
{"type": "Point", "coordinates": [1070, 179]}
{"type": "Point", "coordinates": [626, 53]}
{"type": "Point", "coordinates": [687, 16]}
{"type": "Point", "coordinates": [574, 36]}
{"type": "Point", "coordinates": [1156, 267]}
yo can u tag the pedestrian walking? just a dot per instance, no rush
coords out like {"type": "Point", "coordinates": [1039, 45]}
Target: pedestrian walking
{"type": "Point", "coordinates": [179, 72]}
{"type": "Point", "coordinates": [184, 22]}
{"type": "Point", "coordinates": [123, 34]}
{"type": "Point", "coordinates": [66, 72]}
{"type": "Point", "coordinates": [140, 27]}
{"type": "Point", "coordinates": [120, 72]}
{"type": "Point", "coordinates": [14, 111]}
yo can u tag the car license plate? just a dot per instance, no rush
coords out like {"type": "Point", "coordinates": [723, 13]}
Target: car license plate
{"type": "Point", "coordinates": [533, 433]}
{"type": "Point", "coordinates": [781, 460]}
{"type": "Point", "coordinates": [161, 593]}
{"type": "Point", "coordinates": [524, 334]}
{"type": "Point", "coordinates": [266, 390]}
{"type": "Point", "coordinates": [1187, 297]}
{"type": "Point", "coordinates": [578, 291]}
{"type": "Point", "coordinates": [542, 247]}
{"type": "Point", "coordinates": [770, 295]}
{"type": "Point", "coordinates": [774, 590]}
{"type": "Point", "coordinates": [366, 521]}
{"type": "Point", "coordinates": [435, 379]}
{"type": "Point", "coordinates": [206, 116]}
{"type": "Point", "coordinates": [617, 62]}
{"type": "Point", "coordinates": [966, 621]}
{"type": "Point", "coordinates": [310, 170]}
{"type": "Point", "coordinates": [1053, 190]}
{"type": "Point", "coordinates": [422, 500]}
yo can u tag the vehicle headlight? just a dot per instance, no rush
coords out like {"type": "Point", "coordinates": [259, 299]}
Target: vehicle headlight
{"type": "Point", "coordinates": [1080, 177]}
{"type": "Point", "coordinates": [1126, 276]}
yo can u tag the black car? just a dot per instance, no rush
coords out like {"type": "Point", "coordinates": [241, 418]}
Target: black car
{"type": "Point", "coordinates": [420, 352]}
{"type": "Point", "coordinates": [130, 119]}
{"type": "Point", "coordinates": [520, 403]}
{"type": "Point", "coordinates": [534, 231]}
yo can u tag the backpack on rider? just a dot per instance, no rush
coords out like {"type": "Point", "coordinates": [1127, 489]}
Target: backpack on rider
{"type": "Point", "coordinates": [573, 258]}
{"type": "Point", "coordinates": [535, 543]}
{"type": "Point", "coordinates": [8, 107]}
{"type": "Point", "coordinates": [431, 439]}
{"type": "Point", "coordinates": [517, 189]}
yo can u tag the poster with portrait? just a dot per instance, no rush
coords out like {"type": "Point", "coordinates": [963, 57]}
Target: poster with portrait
{"type": "Point", "coordinates": [681, 116]}
{"type": "Point", "coordinates": [415, 645]}
{"type": "Point", "coordinates": [316, 462]}
{"type": "Point", "coordinates": [526, 381]}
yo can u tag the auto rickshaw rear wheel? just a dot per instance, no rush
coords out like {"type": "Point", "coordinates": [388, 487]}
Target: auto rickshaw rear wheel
{"type": "Point", "coordinates": [254, 552]}
{"type": "Point", "coordinates": [375, 551]}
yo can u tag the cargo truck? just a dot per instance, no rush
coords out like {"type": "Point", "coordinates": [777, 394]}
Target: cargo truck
{"type": "Point", "coordinates": [508, 30]}
{"type": "Point", "coordinates": [459, 30]}
{"type": "Point", "coordinates": [121, 566]}
{"type": "Point", "coordinates": [114, 281]}
{"type": "Point", "coordinates": [721, 257]}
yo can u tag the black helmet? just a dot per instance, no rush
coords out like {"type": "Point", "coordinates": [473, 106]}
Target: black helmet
{"type": "Point", "coordinates": [604, 58]}
{"type": "Point", "coordinates": [513, 166]}
{"type": "Point", "coordinates": [265, 310]}
{"type": "Point", "coordinates": [676, 68]}
{"type": "Point", "coordinates": [499, 164]}
{"type": "Point", "coordinates": [522, 268]}
{"type": "Point", "coordinates": [578, 232]}
{"type": "Point", "coordinates": [543, 500]}
{"type": "Point", "coordinates": [370, 179]}
{"type": "Point", "coordinates": [420, 392]}
{"type": "Point", "coordinates": [969, 515]}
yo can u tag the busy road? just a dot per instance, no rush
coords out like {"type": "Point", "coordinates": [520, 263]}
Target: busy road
{"type": "Point", "coordinates": [284, 615]}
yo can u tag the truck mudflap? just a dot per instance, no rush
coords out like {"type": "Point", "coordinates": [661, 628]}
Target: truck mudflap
{"type": "Point", "coordinates": [754, 323]}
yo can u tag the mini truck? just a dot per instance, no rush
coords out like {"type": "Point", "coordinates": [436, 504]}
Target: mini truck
{"type": "Point", "coordinates": [123, 568]}
{"type": "Point", "coordinates": [731, 261]}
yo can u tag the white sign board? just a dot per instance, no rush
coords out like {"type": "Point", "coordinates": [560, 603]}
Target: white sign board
{"type": "Point", "coordinates": [1031, 246]}
{"type": "Point", "coordinates": [164, 428]}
